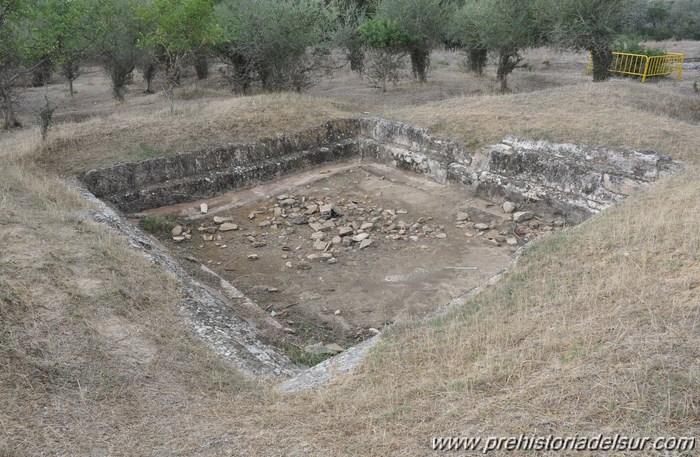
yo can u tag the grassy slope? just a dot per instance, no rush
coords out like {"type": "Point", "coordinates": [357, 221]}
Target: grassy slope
{"type": "Point", "coordinates": [149, 130]}
{"type": "Point", "coordinates": [595, 330]}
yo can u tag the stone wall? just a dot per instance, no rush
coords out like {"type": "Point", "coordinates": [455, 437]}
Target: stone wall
{"type": "Point", "coordinates": [410, 148]}
{"type": "Point", "coordinates": [135, 186]}
{"type": "Point", "coordinates": [561, 179]}
{"type": "Point", "coordinates": [565, 179]}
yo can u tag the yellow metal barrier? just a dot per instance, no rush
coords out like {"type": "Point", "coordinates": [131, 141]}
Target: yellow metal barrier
{"type": "Point", "coordinates": [644, 66]}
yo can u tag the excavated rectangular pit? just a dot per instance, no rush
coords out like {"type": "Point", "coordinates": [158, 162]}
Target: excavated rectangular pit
{"type": "Point", "coordinates": [314, 275]}
{"type": "Point", "coordinates": [315, 241]}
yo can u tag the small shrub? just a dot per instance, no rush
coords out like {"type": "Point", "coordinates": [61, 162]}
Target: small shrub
{"type": "Point", "coordinates": [387, 44]}
{"type": "Point", "coordinates": [631, 45]}
{"type": "Point", "coordinates": [45, 118]}
{"type": "Point", "coordinates": [157, 225]}
{"type": "Point", "coordinates": [384, 67]}
{"type": "Point", "coordinates": [302, 358]}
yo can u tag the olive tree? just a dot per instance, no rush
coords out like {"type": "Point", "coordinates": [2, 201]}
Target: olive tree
{"type": "Point", "coordinates": [463, 30]}
{"type": "Point", "coordinates": [423, 20]}
{"type": "Point", "coordinates": [281, 43]}
{"type": "Point", "coordinates": [684, 19]}
{"type": "Point", "coordinates": [178, 30]}
{"type": "Point", "coordinates": [348, 37]}
{"type": "Point", "coordinates": [19, 47]}
{"type": "Point", "coordinates": [113, 31]}
{"type": "Point", "coordinates": [584, 25]}
{"type": "Point", "coordinates": [61, 24]}
{"type": "Point", "coordinates": [504, 27]}
{"type": "Point", "coordinates": [10, 57]}
{"type": "Point", "coordinates": [387, 44]}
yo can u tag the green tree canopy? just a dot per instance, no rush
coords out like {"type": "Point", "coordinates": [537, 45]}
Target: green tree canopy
{"type": "Point", "coordinates": [176, 30]}
{"type": "Point", "coordinates": [282, 43]}
{"type": "Point", "coordinates": [113, 30]}
{"type": "Point", "coordinates": [589, 25]}
{"type": "Point", "coordinates": [504, 27]}
{"type": "Point", "coordinates": [21, 48]}
{"type": "Point", "coordinates": [61, 27]}
{"type": "Point", "coordinates": [423, 20]}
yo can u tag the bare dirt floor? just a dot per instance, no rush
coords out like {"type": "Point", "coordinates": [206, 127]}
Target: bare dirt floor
{"type": "Point", "coordinates": [336, 254]}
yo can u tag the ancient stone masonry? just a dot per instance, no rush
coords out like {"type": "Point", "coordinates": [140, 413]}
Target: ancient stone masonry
{"type": "Point", "coordinates": [562, 179]}
{"type": "Point", "coordinates": [410, 149]}
{"type": "Point", "coordinates": [565, 179]}
{"type": "Point", "coordinates": [538, 186]}
{"type": "Point", "coordinates": [134, 186]}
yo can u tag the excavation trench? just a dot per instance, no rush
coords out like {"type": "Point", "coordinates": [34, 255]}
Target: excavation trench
{"type": "Point", "coordinates": [295, 249]}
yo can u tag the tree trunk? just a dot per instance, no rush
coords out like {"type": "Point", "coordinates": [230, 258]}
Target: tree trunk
{"type": "Point", "coordinates": [420, 59]}
{"type": "Point", "coordinates": [149, 70]}
{"type": "Point", "coordinates": [502, 71]}
{"type": "Point", "coordinates": [8, 116]}
{"type": "Point", "coordinates": [601, 63]}
{"type": "Point", "coordinates": [504, 85]}
{"type": "Point", "coordinates": [477, 58]}
{"type": "Point", "coordinates": [201, 66]}
{"type": "Point", "coordinates": [41, 73]}
{"type": "Point", "coordinates": [168, 91]}
{"type": "Point", "coordinates": [356, 57]}
{"type": "Point", "coordinates": [8, 112]}
{"type": "Point", "coordinates": [507, 61]}
{"type": "Point", "coordinates": [71, 71]}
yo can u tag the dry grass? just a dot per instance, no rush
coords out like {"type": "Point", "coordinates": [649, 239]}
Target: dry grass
{"type": "Point", "coordinates": [149, 129]}
{"type": "Point", "coordinates": [540, 69]}
{"type": "Point", "coordinates": [620, 112]}
{"type": "Point", "coordinates": [595, 331]}
{"type": "Point", "coordinates": [90, 331]}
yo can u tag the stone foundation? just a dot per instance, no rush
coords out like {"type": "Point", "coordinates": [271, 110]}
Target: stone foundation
{"type": "Point", "coordinates": [562, 179]}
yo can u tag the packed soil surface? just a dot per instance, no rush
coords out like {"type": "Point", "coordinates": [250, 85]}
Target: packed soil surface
{"type": "Point", "coordinates": [336, 254]}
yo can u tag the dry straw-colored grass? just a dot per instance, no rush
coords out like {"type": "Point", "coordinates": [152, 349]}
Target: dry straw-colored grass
{"type": "Point", "coordinates": [150, 129]}
{"type": "Point", "coordinates": [594, 331]}
{"type": "Point", "coordinates": [620, 112]}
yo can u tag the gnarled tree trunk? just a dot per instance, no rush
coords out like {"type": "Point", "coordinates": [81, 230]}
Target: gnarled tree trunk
{"type": "Point", "coordinates": [508, 59]}
{"type": "Point", "coordinates": [476, 59]}
{"type": "Point", "coordinates": [601, 63]}
{"type": "Point", "coordinates": [420, 60]}
{"type": "Point", "coordinates": [7, 107]}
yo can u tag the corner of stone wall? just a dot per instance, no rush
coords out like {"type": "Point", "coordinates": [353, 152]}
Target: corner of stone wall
{"type": "Point", "coordinates": [574, 181]}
